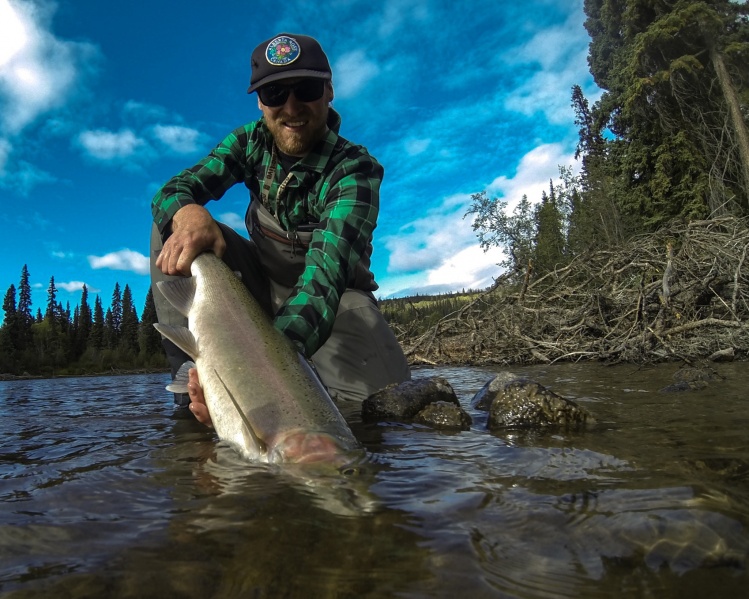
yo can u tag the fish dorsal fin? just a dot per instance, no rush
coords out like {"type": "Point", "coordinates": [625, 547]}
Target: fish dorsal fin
{"type": "Point", "coordinates": [179, 384]}
{"type": "Point", "coordinates": [179, 292]}
{"type": "Point", "coordinates": [181, 337]}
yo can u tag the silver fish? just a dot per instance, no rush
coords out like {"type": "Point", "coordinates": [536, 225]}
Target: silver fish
{"type": "Point", "coordinates": [263, 397]}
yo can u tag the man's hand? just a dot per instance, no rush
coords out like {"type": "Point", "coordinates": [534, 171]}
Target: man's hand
{"type": "Point", "coordinates": [193, 231]}
{"type": "Point", "coordinates": [197, 399]}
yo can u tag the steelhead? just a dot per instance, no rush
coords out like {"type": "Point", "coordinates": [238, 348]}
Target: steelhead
{"type": "Point", "coordinates": [263, 397]}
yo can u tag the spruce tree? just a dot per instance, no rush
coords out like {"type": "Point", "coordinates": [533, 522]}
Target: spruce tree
{"type": "Point", "coordinates": [96, 338]}
{"type": "Point", "coordinates": [672, 72]}
{"type": "Point", "coordinates": [129, 327]}
{"type": "Point", "coordinates": [150, 339]}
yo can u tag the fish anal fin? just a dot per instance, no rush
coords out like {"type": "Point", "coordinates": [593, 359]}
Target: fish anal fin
{"type": "Point", "coordinates": [179, 384]}
{"type": "Point", "coordinates": [181, 337]}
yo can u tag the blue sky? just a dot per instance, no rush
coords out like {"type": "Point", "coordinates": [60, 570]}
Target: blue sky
{"type": "Point", "coordinates": [100, 104]}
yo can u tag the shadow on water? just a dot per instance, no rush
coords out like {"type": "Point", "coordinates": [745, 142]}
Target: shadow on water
{"type": "Point", "coordinates": [104, 493]}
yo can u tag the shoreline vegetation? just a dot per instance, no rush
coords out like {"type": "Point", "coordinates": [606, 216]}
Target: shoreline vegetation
{"type": "Point", "coordinates": [679, 294]}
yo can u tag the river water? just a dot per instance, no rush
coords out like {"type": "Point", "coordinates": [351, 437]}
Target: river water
{"type": "Point", "coordinates": [104, 493]}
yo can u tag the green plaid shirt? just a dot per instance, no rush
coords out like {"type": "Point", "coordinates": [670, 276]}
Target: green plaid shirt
{"type": "Point", "coordinates": [344, 200]}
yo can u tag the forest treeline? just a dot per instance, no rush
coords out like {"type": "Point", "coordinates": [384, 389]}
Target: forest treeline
{"type": "Point", "coordinates": [646, 241]}
{"type": "Point", "coordinates": [641, 255]}
{"type": "Point", "coordinates": [88, 339]}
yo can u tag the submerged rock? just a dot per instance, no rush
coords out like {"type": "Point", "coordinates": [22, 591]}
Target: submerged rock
{"type": "Point", "coordinates": [444, 415]}
{"type": "Point", "coordinates": [518, 402]}
{"type": "Point", "coordinates": [406, 401]}
{"type": "Point", "coordinates": [691, 378]}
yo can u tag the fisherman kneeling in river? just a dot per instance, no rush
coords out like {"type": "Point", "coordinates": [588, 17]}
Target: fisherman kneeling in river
{"type": "Point", "coordinates": [314, 201]}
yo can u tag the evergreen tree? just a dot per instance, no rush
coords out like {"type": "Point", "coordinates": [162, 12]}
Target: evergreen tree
{"type": "Point", "coordinates": [150, 339]}
{"type": "Point", "coordinates": [549, 251]}
{"type": "Point", "coordinates": [114, 318]}
{"type": "Point", "coordinates": [25, 317]}
{"type": "Point", "coordinates": [673, 72]}
{"type": "Point", "coordinates": [111, 334]}
{"type": "Point", "coordinates": [9, 332]}
{"type": "Point", "coordinates": [129, 327]}
{"type": "Point", "coordinates": [51, 315]}
{"type": "Point", "coordinates": [96, 338]}
{"type": "Point", "coordinates": [83, 326]}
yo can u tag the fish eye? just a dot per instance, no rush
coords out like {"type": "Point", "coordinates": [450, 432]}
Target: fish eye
{"type": "Point", "coordinates": [349, 471]}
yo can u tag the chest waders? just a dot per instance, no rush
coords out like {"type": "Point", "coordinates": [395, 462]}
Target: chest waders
{"type": "Point", "coordinates": [362, 355]}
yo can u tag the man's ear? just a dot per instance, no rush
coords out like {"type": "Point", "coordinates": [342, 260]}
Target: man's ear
{"type": "Point", "coordinates": [259, 104]}
{"type": "Point", "coordinates": [329, 85]}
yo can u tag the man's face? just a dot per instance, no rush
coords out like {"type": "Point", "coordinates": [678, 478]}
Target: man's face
{"type": "Point", "coordinates": [297, 126]}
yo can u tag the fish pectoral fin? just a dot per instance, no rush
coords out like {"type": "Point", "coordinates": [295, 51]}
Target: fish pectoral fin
{"type": "Point", "coordinates": [181, 337]}
{"type": "Point", "coordinates": [248, 431]}
{"type": "Point", "coordinates": [179, 384]}
{"type": "Point", "coordinates": [179, 292]}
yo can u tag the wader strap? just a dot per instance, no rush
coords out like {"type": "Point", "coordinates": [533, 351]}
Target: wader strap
{"type": "Point", "coordinates": [270, 176]}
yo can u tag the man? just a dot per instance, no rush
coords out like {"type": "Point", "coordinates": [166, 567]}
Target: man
{"type": "Point", "coordinates": [314, 201]}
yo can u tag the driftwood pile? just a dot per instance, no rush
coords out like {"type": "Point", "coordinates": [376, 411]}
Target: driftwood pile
{"type": "Point", "coordinates": [680, 293]}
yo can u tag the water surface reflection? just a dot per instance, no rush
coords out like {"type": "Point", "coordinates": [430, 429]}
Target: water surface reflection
{"type": "Point", "coordinates": [104, 493]}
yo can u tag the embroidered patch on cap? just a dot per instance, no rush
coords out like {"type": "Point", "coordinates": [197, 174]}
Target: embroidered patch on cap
{"type": "Point", "coordinates": [282, 50]}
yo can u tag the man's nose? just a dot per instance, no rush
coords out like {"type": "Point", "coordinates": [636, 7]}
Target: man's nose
{"type": "Point", "coordinates": [292, 104]}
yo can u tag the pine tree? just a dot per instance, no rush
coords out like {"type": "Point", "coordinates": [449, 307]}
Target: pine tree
{"type": "Point", "coordinates": [549, 251]}
{"type": "Point", "coordinates": [150, 339]}
{"type": "Point", "coordinates": [129, 327]}
{"type": "Point", "coordinates": [672, 71]}
{"type": "Point", "coordinates": [9, 331]}
{"type": "Point", "coordinates": [96, 338]}
{"type": "Point", "coordinates": [114, 318]}
{"type": "Point", "coordinates": [83, 327]}
{"type": "Point", "coordinates": [25, 317]}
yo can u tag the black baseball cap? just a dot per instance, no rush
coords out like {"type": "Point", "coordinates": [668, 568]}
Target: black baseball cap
{"type": "Point", "coordinates": [285, 56]}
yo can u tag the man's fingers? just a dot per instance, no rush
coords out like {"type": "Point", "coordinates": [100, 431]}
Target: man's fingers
{"type": "Point", "coordinates": [197, 399]}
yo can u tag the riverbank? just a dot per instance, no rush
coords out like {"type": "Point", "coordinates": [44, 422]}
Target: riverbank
{"type": "Point", "coordinates": [679, 294]}
{"type": "Point", "coordinates": [111, 372]}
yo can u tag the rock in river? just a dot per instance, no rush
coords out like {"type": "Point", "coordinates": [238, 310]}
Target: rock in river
{"type": "Point", "coordinates": [430, 401]}
{"type": "Point", "coordinates": [517, 402]}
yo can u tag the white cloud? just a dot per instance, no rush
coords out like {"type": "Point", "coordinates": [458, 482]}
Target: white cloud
{"type": "Point", "coordinates": [123, 260]}
{"type": "Point", "coordinates": [71, 286]}
{"type": "Point", "coordinates": [470, 268]}
{"type": "Point", "coordinates": [561, 56]}
{"type": "Point", "coordinates": [107, 145]}
{"type": "Point", "coordinates": [428, 242]}
{"type": "Point", "coordinates": [179, 139]}
{"type": "Point", "coordinates": [234, 220]}
{"type": "Point", "coordinates": [439, 252]}
{"type": "Point", "coordinates": [37, 70]}
{"type": "Point", "coordinates": [352, 72]}
{"type": "Point", "coordinates": [532, 177]}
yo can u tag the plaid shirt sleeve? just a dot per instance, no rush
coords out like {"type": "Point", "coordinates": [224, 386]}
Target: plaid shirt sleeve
{"type": "Point", "coordinates": [208, 180]}
{"type": "Point", "coordinates": [347, 219]}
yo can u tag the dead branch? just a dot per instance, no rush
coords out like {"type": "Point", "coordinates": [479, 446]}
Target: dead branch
{"type": "Point", "coordinates": [638, 304]}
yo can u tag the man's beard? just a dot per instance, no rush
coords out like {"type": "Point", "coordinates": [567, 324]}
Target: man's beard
{"type": "Point", "coordinates": [297, 143]}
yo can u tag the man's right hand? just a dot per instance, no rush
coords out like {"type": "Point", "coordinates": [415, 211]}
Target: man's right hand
{"type": "Point", "coordinates": [193, 232]}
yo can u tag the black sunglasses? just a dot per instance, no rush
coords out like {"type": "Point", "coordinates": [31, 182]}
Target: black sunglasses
{"type": "Point", "coordinates": [306, 90]}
